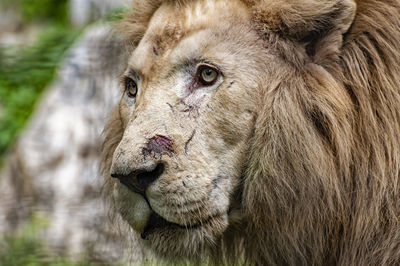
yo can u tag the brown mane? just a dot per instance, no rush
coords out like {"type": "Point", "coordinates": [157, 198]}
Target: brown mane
{"type": "Point", "coordinates": [322, 181]}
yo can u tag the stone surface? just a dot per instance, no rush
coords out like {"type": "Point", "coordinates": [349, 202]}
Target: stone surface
{"type": "Point", "coordinates": [53, 169]}
{"type": "Point", "coordinates": [82, 12]}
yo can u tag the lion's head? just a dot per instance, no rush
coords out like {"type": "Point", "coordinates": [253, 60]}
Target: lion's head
{"type": "Point", "coordinates": [239, 126]}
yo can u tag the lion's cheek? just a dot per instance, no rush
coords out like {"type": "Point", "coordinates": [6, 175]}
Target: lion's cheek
{"type": "Point", "coordinates": [132, 207]}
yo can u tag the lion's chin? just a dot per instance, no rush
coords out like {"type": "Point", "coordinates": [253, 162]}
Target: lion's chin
{"type": "Point", "coordinates": [171, 240]}
{"type": "Point", "coordinates": [167, 239]}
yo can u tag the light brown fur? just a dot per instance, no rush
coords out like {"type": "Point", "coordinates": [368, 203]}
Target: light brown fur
{"type": "Point", "coordinates": [319, 169]}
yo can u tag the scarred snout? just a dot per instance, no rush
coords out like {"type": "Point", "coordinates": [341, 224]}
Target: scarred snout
{"type": "Point", "coordinates": [137, 166]}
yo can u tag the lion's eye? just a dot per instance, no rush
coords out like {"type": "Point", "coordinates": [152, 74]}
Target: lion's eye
{"type": "Point", "coordinates": [207, 75]}
{"type": "Point", "coordinates": [130, 87]}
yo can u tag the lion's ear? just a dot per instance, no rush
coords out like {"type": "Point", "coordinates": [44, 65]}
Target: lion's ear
{"type": "Point", "coordinates": [318, 24]}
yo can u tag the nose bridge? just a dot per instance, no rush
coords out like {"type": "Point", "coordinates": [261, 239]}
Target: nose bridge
{"type": "Point", "coordinates": [137, 160]}
{"type": "Point", "coordinates": [141, 147]}
{"type": "Point", "coordinates": [150, 115]}
{"type": "Point", "coordinates": [125, 157]}
{"type": "Point", "coordinates": [147, 137]}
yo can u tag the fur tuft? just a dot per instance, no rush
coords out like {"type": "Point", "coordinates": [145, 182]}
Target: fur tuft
{"type": "Point", "coordinates": [322, 181]}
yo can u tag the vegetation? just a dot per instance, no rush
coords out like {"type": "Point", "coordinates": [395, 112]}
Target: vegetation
{"type": "Point", "coordinates": [39, 10]}
{"type": "Point", "coordinates": [26, 249]}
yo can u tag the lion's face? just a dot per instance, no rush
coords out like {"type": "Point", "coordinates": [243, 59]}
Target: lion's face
{"type": "Point", "coordinates": [260, 129]}
{"type": "Point", "coordinates": [188, 113]}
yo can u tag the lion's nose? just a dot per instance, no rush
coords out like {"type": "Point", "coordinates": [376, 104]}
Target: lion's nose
{"type": "Point", "coordinates": [140, 179]}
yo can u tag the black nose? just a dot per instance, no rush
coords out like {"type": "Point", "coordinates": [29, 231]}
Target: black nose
{"type": "Point", "coordinates": [139, 180]}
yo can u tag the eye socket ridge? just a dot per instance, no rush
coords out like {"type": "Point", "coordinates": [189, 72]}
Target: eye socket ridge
{"type": "Point", "coordinates": [131, 87]}
{"type": "Point", "coordinates": [207, 75]}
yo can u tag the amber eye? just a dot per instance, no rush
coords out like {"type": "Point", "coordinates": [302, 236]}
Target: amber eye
{"type": "Point", "coordinates": [207, 75]}
{"type": "Point", "coordinates": [130, 87]}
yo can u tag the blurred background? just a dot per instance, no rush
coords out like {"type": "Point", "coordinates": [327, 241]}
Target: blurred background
{"type": "Point", "coordinates": [59, 67]}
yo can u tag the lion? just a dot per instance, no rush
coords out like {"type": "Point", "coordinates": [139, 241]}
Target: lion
{"type": "Point", "coordinates": [260, 132]}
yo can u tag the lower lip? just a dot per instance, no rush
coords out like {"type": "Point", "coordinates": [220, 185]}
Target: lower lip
{"type": "Point", "coordinates": [148, 230]}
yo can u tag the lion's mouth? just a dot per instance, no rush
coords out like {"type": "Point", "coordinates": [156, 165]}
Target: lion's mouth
{"type": "Point", "coordinates": [156, 221]}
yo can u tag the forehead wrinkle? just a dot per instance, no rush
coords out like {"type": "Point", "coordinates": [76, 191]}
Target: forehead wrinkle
{"type": "Point", "coordinates": [166, 39]}
{"type": "Point", "coordinates": [136, 63]}
{"type": "Point", "coordinates": [211, 13]}
{"type": "Point", "coordinates": [171, 23]}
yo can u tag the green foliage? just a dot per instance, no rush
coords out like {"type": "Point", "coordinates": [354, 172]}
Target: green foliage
{"type": "Point", "coordinates": [22, 248]}
{"type": "Point", "coordinates": [26, 249]}
{"type": "Point", "coordinates": [24, 73]}
{"type": "Point", "coordinates": [31, 10]}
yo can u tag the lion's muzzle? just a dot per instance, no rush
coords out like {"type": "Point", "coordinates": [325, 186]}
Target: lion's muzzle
{"type": "Point", "coordinates": [136, 167]}
{"type": "Point", "coordinates": [140, 179]}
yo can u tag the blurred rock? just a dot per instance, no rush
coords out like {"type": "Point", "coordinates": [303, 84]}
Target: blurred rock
{"type": "Point", "coordinates": [83, 11]}
{"type": "Point", "coordinates": [53, 169]}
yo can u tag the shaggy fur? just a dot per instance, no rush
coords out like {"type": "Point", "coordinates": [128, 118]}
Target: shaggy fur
{"type": "Point", "coordinates": [321, 184]}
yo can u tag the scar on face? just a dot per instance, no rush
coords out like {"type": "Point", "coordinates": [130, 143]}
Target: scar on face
{"type": "Point", "coordinates": [158, 145]}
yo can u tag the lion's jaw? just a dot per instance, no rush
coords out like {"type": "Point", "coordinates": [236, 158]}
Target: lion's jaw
{"type": "Point", "coordinates": [197, 135]}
